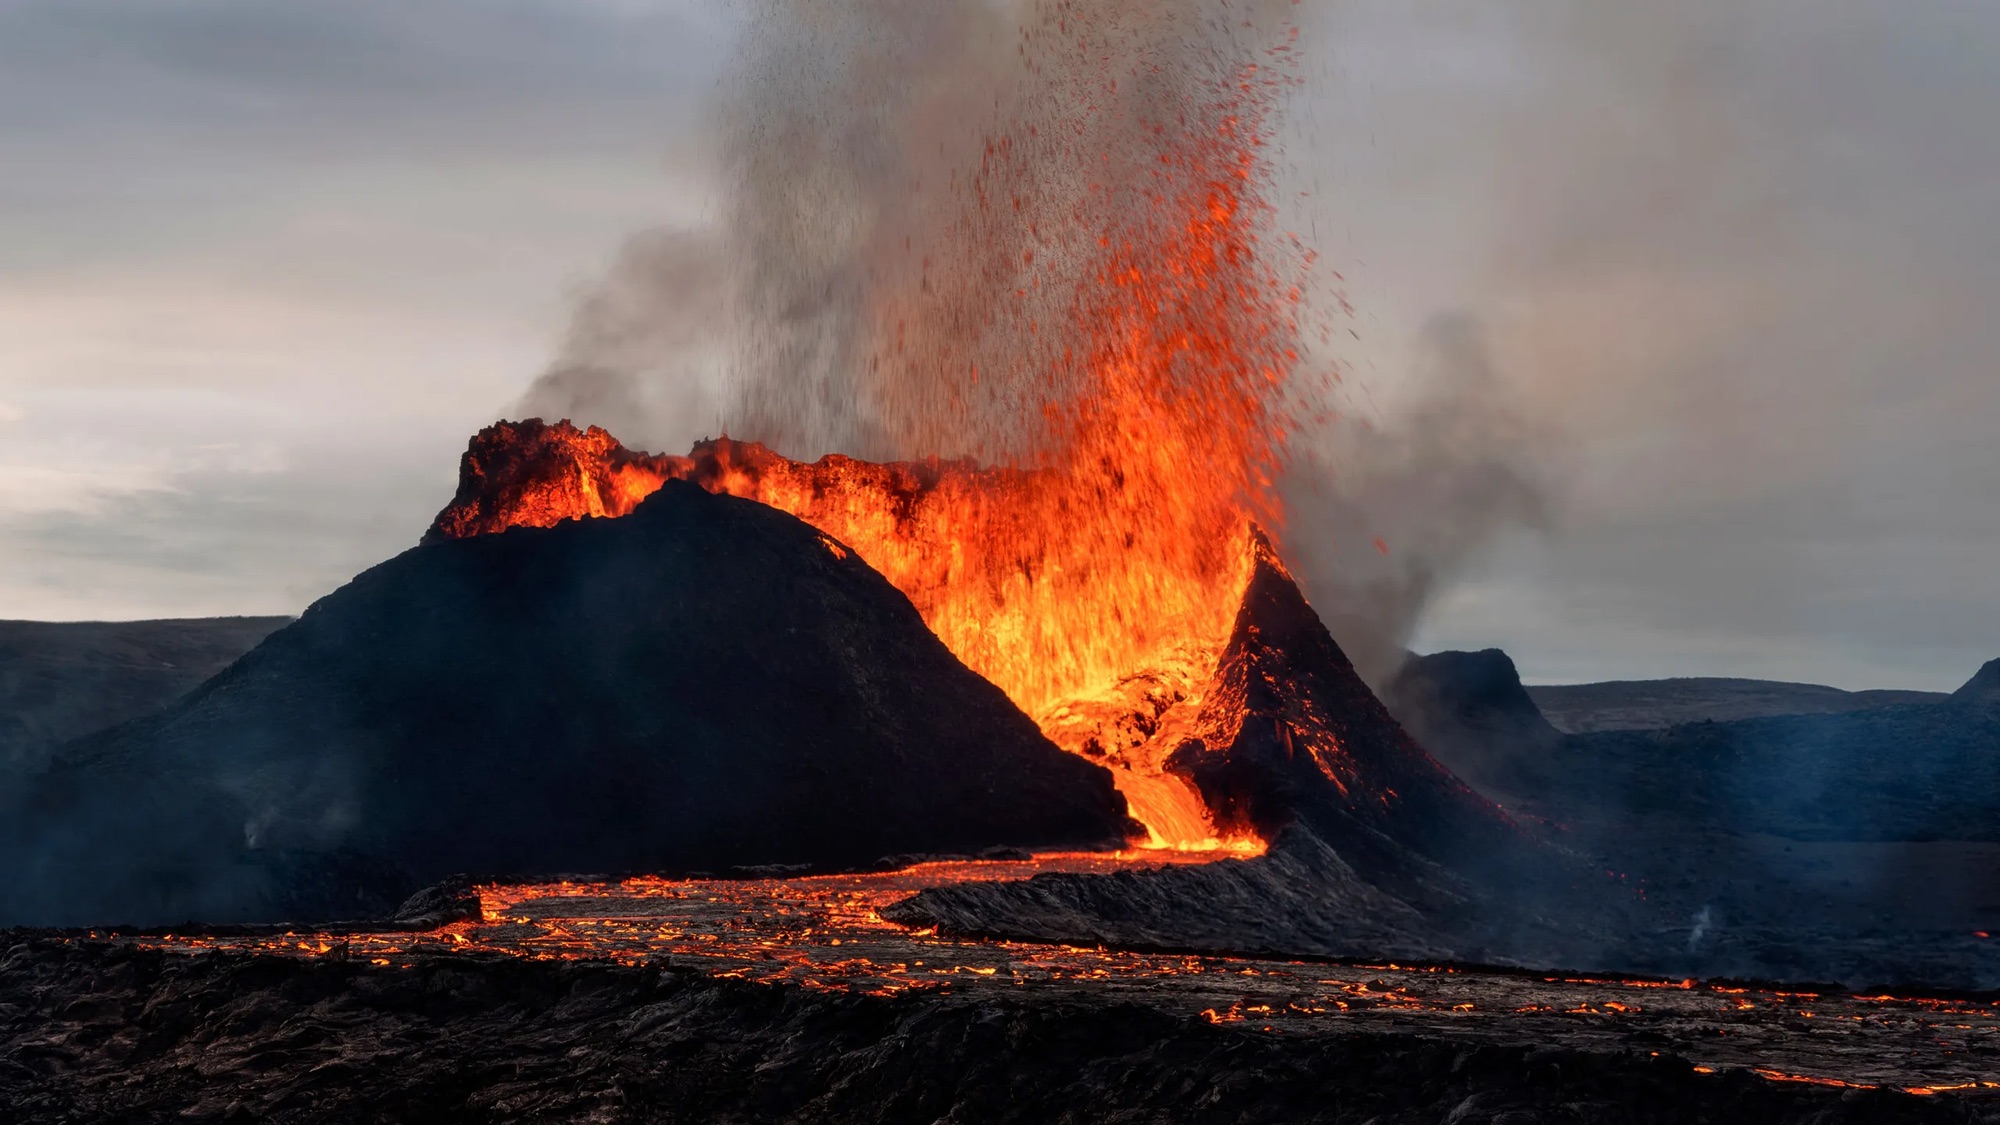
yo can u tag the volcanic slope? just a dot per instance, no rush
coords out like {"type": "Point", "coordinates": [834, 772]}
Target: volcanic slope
{"type": "Point", "coordinates": [1289, 735]}
{"type": "Point", "coordinates": [62, 680]}
{"type": "Point", "coordinates": [706, 682]}
{"type": "Point", "coordinates": [1377, 850]}
{"type": "Point", "coordinates": [1471, 711]}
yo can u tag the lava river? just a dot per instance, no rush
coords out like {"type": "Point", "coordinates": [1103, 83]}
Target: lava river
{"type": "Point", "coordinates": [826, 932]}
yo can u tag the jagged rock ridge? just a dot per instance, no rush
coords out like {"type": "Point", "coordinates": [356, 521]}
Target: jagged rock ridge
{"type": "Point", "coordinates": [1293, 736]}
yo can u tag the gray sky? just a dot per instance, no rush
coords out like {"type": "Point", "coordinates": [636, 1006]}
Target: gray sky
{"type": "Point", "coordinates": [1735, 268]}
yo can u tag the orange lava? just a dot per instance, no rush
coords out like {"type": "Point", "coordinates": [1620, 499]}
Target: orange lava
{"type": "Point", "coordinates": [827, 932]}
{"type": "Point", "coordinates": [1096, 575]}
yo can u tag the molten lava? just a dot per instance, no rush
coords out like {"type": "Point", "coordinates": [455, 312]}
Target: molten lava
{"type": "Point", "coordinates": [1101, 651]}
{"type": "Point", "coordinates": [827, 933]}
{"type": "Point", "coordinates": [1124, 341]}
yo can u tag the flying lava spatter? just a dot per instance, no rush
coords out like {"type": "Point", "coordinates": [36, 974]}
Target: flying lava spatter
{"type": "Point", "coordinates": [1093, 573]}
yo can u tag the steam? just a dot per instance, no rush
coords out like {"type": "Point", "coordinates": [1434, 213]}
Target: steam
{"type": "Point", "coordinates": [644, 345]}
{"type": "Point", "coordinates": [1699, 929]}
{"type": "Point", "coordinates": [1387, 512]}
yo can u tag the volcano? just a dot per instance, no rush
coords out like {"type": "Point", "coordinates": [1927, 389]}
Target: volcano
{"type": "Point", "coordinates": [1096, 614]}
{"type": "Point", "coordinates": [1227, 737]}
{"type": "Point", "coordinates": [1264, 736]}
{"type": "Point", "coordinates": [1214, 735]}
{"type": "Point", "coordinates": [706, 682]}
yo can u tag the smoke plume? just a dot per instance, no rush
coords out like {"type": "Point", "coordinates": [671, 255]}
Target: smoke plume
{"type": "Point", "coordinates": [1386, 512]}
{"type": "Point", "coordinates": [924, 204]}
{"type": "Point", "coordinates": [916, 196]}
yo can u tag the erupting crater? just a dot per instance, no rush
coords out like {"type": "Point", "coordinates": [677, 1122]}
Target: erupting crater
{"type": "Point", "coordinates": [1098, 304]}
{"type": "Point", "coordinates": [1109, 645]}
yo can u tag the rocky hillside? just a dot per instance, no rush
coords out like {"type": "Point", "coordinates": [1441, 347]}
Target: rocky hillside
{"type": "Point", "coordinates": [708, 682]}
{"type": "Point", "coordinates": [61, 680]}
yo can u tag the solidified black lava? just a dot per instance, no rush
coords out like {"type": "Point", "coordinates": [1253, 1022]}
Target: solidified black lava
{"type": "Point", "coordinates": [93, 1033]}
{"type": "Point", "coordinates": [1376, 849]}
{"type": "Point", "coordinates": [706, 682]}
{"type": "Point", "coordinates": [1302, 898]}
{"type": "Point", "coordinates": [1297, 739]}
{"type": "Point", "coordinates": [1470, 711]}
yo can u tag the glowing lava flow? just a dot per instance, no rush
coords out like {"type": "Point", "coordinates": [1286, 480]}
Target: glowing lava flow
{"type": "Point", "coordinates": [826, 932]}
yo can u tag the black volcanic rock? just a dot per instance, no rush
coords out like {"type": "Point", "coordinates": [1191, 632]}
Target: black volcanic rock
{"type": "Point", "coordinates": [707, 682]}
{"type": "Point", "coordinates": [64, 679]}
{"type": "Point", "coordinates": [99, 1033]}
{"type": "Point", "coordinates": [1295, 737]}
{"type": "Point", "coordinates": [1300, 898]}
{"type": "Point", "coordinates": [1375, 848]}
{"type": "Point", "coordinates": [1471, 712]}
{"type": "Point", "coordinates": [1983, 686]}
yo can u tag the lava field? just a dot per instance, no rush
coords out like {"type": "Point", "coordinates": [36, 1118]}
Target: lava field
{"type": "Point", "coordinates": [827, 934]}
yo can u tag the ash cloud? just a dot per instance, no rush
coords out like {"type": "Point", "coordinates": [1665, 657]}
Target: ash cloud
{"type": "Point", "coordinates": [835, 303]}
{"type": "Point", "coordinates": [642, 348]}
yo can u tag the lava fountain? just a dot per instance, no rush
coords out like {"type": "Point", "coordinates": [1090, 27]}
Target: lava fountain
{"type": "Point", "coordinates": [1099, 310]}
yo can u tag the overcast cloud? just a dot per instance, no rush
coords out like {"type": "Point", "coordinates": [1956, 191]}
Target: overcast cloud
{"type": "Point", "coordinates": [1733, 269]}
{"type": "Point", "coordinates": [1738, 264]}
{"type": "Point", "coordinates": [267, 266]}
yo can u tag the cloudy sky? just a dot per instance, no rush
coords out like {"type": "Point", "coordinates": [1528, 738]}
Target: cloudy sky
{"type": "Point", "coordinates": [1730, 270]}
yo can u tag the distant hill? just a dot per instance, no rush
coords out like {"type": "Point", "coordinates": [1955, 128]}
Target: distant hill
{"type": "Point", "coordinates": [1798, 761]}
{"type": "Point", "coordinates": [1985, 685]}
{"type": "Point", "coordinates": [62, 680]}
{"type": "Point", "coordinates": [1917, 772]}
{"type": "Point", "coordinates": [1659, 704]}
{"type": "Point", "coordinates": [1471, 712]}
